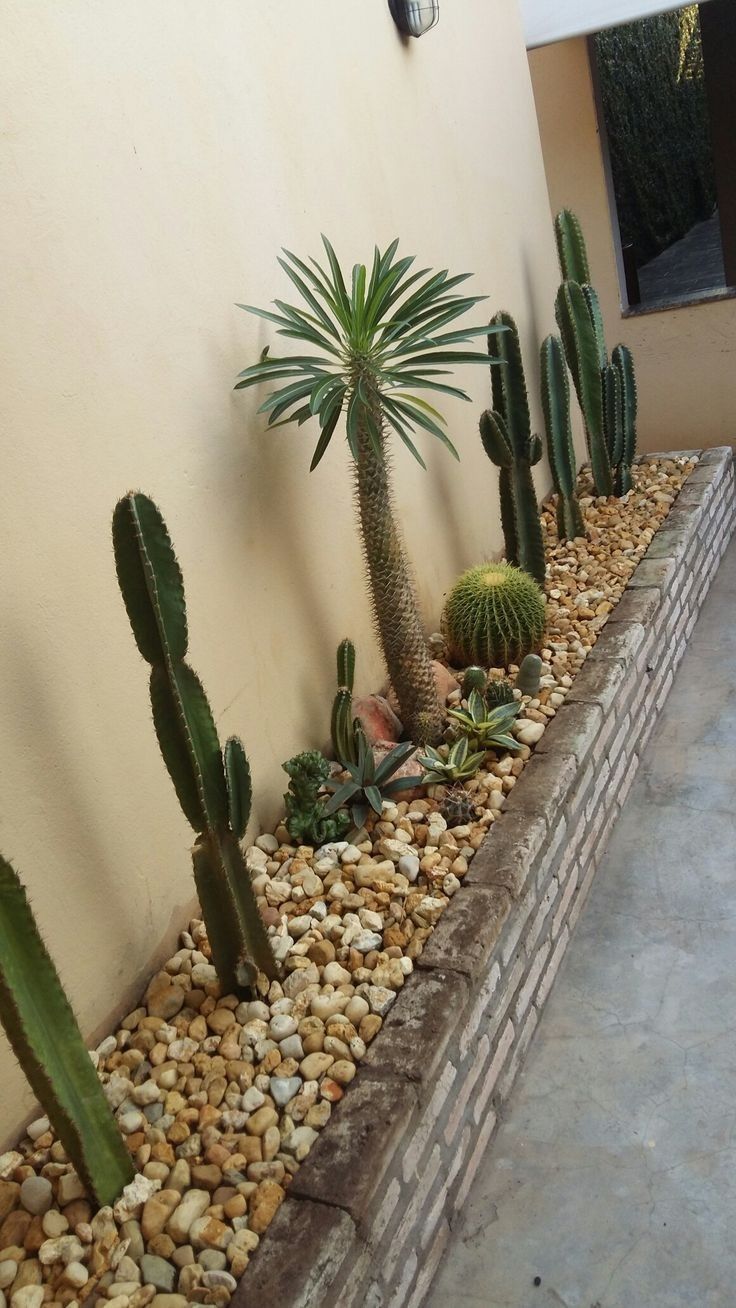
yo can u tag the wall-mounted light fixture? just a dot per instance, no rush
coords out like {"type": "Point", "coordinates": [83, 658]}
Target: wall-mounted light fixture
{"type": "Point", "coordinates": [415, 17]}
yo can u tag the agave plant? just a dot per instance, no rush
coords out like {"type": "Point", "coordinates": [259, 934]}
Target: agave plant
{"type": "Point", "coordinates": [458, 766]}
{"type": "Point", "coordinates": [487, 728]}
{"type": "Point", "coordinates": [370, 782]}
{"type": "Point", "coordinates": [380, 343]}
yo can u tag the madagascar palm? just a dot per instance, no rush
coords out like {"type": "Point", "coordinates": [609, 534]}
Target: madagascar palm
{"type": "Point", "coordinates": [379, 343]}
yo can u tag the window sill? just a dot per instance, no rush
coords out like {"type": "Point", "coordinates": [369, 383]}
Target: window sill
{"type": "Point", "coordinates": [684, 302]}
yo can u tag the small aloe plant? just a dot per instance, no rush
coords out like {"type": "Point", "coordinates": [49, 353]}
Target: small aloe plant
{"type": "Point", "coordinates": [458, 766]}
{"type": "Point", "coordinates": [212, 786]}
{"type": "Point", "coordinates": [370, 782]}
{"type": "Point", "coordinates": [43, 1033]}
{"type": "Point", "coordinates": [484, 727]}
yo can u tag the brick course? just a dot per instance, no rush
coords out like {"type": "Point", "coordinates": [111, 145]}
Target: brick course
{"type": "Point", "coordinates": [369, 1211]}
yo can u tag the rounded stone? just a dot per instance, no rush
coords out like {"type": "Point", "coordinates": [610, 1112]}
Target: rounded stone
{"type": "Point", "coordinates": [36, 1195]}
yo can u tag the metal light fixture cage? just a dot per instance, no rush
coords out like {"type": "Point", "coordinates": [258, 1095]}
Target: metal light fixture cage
{"type": "Point", "coordinates": [415, 17]}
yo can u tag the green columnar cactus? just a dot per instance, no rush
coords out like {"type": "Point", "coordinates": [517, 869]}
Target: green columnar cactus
{"type": "Point", "coordinates": [624, 365]}
{"type": "Point", "coordinates": [571, 250]}
{"type": "Point", "coordinates": [45, 1038]}
{"type": "Point", "coordinates": [215, 794]}
{"type": "Point", "coordinates": [556, 405]}
{"type": "Point", "coordinates": [613, 414]}
{"type": "Point", "coordinates": [342, 726]}
{"type": "Point", "coordinates": [507, 440]}
{"type": "Point", "coordinates": [529, 674]}
{"type": "Point", "coordinates": [474, 678]}
{"type": "Point", "coordinates": [494, 615]}
{"type": "Point", "coordinates": [582, 352]}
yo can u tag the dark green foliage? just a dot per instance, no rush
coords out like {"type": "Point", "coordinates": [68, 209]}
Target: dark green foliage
{"type": "Point", "coordinates": [493, 616]}
{"type": "Point", "coordinates": [508, 441]}
{"type": "Point", "coordinates": [45, 1038]}
{"type": "Point", "coordinates": [556, 406]}
{"type": "Point", "coordinates": [214, 792]}
{"type": "Point", "coordinates": [370, 782]}
{"type": "Point", "coordinates": [474, 678]}
{"type": "Point", "coordinates": [656, 115]}
{"type": "Point", "coordinates": [571, 251]}
{"type": "Point", "coordinates": [379, 345]}
{"type": "Point", "coordinates": [582, 351]}
{"type": "Point", "coordinates": [307, 818]}
{"type": "Point", "coordinates": [624, 366]}
{"type": "Point", "coordinates": [499, 691]}
{"type": "Point", "coordinates": [342, 724]}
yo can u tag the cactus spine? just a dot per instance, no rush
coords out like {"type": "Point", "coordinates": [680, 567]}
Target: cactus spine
{"type": "Point", "coordinates": [45, 1038]}
{"type": "Point", "coordinates": [215, 794]}
{"type": "Point", "coordinates": [624, 366]}
{"type": "Point", "coordinates": [556, 405]}
{"type": "Point", "coordinates": [507, 440]}
{"type": "Point", "coordinates": [342, 726]}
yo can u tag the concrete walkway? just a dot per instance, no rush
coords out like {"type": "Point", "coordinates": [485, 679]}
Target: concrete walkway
{"type": "Point", "coordinates": [613, 1176]}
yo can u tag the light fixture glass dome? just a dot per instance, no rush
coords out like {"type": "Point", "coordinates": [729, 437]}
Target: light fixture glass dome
{"type": "Point", "coordinates": [415, 17]}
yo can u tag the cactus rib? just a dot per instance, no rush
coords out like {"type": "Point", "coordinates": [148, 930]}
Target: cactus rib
{"type": "Point", "coordinates": [556, 406]}
{"type": "Point", "coordinates": [571, 250]}
{"type": "Point", "coordinates": [48, 1044]}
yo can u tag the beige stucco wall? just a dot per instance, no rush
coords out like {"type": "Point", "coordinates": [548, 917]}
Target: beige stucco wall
{"type": "Point", "coordinates": [156, 157]}
{"type": "Point", "coordinates": [685, 358]}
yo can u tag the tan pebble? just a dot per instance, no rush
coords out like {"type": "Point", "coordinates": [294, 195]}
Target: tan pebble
{"type": "Point", "coordinates": [314, 1065]}
{"type": "Point", "coordinates": [259, 1122]}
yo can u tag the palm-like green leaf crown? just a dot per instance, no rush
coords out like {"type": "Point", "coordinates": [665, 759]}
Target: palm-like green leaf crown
{"type": "Point", "coordinates": [380, 342]}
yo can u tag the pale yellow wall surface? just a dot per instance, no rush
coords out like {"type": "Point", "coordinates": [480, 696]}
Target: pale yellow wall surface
{"type": "Point", "coordinates": [685, 358]}
{"type": "Point", "coordinates": [156, 157]}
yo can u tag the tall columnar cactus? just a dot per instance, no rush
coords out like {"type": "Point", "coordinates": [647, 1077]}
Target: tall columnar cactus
{"type": "Point", "coordinates": [507, 440]}
{"type": "Point", "coordinates": [556, 405]}
{"type": "Point", "coordinates": [624, 366]}
{"type": "Point", "coordinates": [342, 727]}
{"type": "Point", "coordinates": [214, 790]}
{"type": "Point", "coordinates": [582, 351]}
{"type": "Point", "coordinates": [571, 250]}
{"type": "Point", "coordinates": [45, 1038]}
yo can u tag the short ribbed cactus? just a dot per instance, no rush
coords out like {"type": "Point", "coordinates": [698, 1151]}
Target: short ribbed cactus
{"type": "Point", "coordinates": [556, 405]}
{"type": "Point", "coordinates": [499, 691]}
{"type": "Point", "coordinates": [474, 678]}
{"type": "Point", "coordinates": [45, 1038]}
{"type": "Point", "coordinates": [508, 441]}
{"type": "Point", "coordinates": [494, 615]}
{"type": "Point", "coordinates": [624, 366]}
{"type": "Point", "coordinates": [529, 675]}
{"type": "Point", "coordinates": [342, 727]}
{"type": "Point", "coordinates": [214, 793]}
{"type": "Point", "coordinates": [571, 250]}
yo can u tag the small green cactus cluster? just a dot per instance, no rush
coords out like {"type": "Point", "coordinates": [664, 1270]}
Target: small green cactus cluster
{"type": "Point", "coordinates": [457, 807]}
{"type": "Point", "coordinates": [45, 1038]}
{"type": "Point", "coordinates": [499, 691]}
{"type": "Point", "coordinates": [556, 406]}
{"type": "Point", "coordinates": [213, 788]}
{"type": "Point", "coordinates": [343, 726]}
{"type": "Point", "coordinates": [307, 819]}
{"type": "Point", "coordinates": [458, 764]}
{"type": "Point", "coordinates": [505, 431]}
{"type": "Point", "coordinates": [606, 390]}
{"type": "Point", "coordinates": [494, 615]}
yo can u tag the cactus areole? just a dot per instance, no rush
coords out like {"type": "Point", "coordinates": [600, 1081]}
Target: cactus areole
{"type": "Point", "coordinates": [381, 343]}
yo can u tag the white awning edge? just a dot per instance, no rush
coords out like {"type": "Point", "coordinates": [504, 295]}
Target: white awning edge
{"type": "Point", "coordinates": [546, 21]}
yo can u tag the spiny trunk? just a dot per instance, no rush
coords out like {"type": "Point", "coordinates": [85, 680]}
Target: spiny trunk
{"type": "Point", "coordinates": [394, 600]}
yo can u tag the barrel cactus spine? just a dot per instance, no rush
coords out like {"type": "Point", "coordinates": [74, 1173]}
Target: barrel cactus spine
{"type": "Point", "coordinates": [556, 406]}
{"type": "Point", "coordinates": [623, 363]}
{"type": "Point", "coordinates": [45, 1038]}
{"type": "Point", "coordinates": [509, 443]}
{"type": "Point", "coordinates": [214, 792]}
{"type": "Point", "coordinates": [493, 616]}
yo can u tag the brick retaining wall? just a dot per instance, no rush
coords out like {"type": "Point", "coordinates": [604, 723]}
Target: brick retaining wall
{"type": "Point", "coordinates": [369, 1212]}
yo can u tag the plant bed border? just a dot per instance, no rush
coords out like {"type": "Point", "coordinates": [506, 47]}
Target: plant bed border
{"type": "Point", "coordinates": [369, 1212]}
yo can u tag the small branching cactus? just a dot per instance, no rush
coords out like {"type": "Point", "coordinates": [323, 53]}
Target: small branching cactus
{"type": "Point", "coordinates": [556, 405]}
{"type": "Point", "coordinates": [624, 366]}
{"type": "Point", "coordinates": [307, 819]}
{"type": "Point", "coordinates": [45, 1038]}
{"type": "Point", "coordinates": [214, 791]}
{"type": "Point", "coordinates": [529, 675]}
{"type": "Point", "coordinates": [343, 724]}
{"type": "Point", "coordinates": [494, 615]}
{"type": "Point", "coordinates": [507, 439]}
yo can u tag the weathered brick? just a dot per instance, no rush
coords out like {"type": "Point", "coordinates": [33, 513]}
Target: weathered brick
{"type": "Point", "coordinates": [428, 1121]}
{"type": "Point", "coordinates": [509, 1073]}
{"type": "Point", "coordinates": [572, 731]}
{"type": "Point", "coordinates": [564, 904]}
{"type": "Point", "coordinates": [416, 1032]}
{"type": "Point", "coordinates": [509, 855]}
{"type": "Point", "coordinates": [542, 788]}
{"type": "Point", "coordinates": [488, 1084]}
{"type": "Point", "coordinates": [429, 1266]}
{"type": "Point", "coordinates": [599, 681]}
{"type": "Point", "coordinates": [463, 939]}
{"type": "Point", "coordinates": [478, 1009]}
{"type": "Point", "coordinates": [670, 542]}
{"type": "Point", "coordinates": [545, 984]}
{"type": "Point", "coordinates": [372, 1122]}
{"type": "Point", "coordinates": [530, 984]}
{"type": "Point", "coordinates": [619, 640]}
{"type": "Point", "coordinates": [455, 1120]}
{"type": "Point", "coordinates": [417, 1199]}
{"type": "Point", "coordinates": [299, 1257]}
{"type": "Point", "coordinates": [541, 916]}
{"type": "Point", "coordinates": [654, 572]}
{"type": "Point", "coordinates": [475, 1160]}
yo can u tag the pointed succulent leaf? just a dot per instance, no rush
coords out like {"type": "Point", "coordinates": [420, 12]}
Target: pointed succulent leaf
{"type": "Point", "coordinates": [393, 761]}
{"type": "Point", "coordinates": [45, 1037]}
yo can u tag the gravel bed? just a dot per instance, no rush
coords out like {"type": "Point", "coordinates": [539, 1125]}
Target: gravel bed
{"type": "Point", "coordinates": [220, 1100]}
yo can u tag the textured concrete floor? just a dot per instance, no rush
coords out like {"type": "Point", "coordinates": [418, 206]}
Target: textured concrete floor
{"type": "Point", "coordinates": [690, 266]}
{"type": "Point", "coordinates": [613, 1177]}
